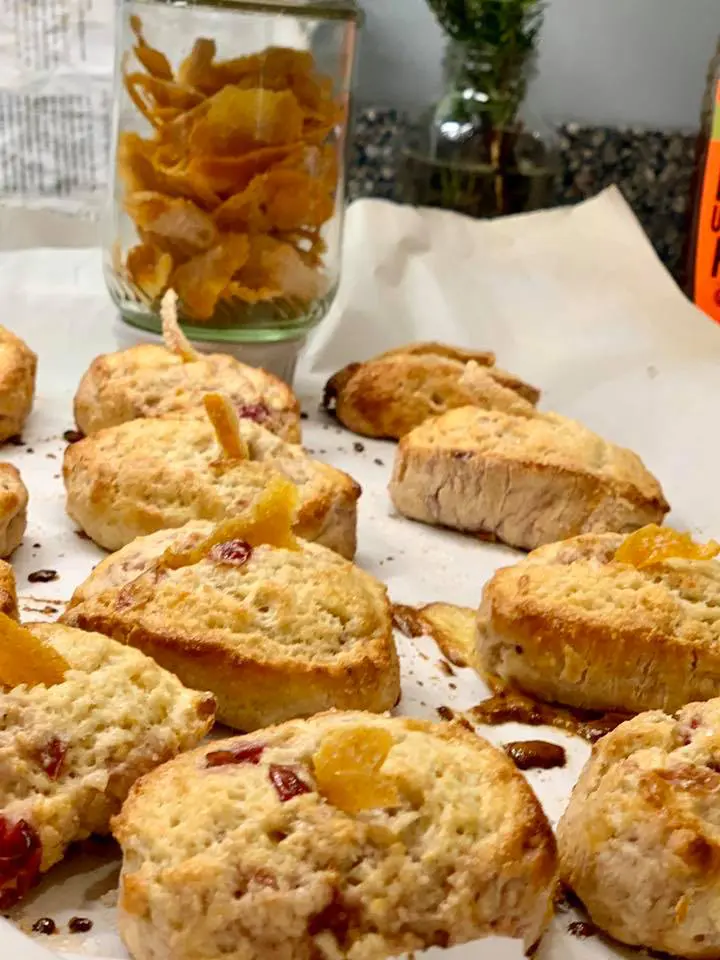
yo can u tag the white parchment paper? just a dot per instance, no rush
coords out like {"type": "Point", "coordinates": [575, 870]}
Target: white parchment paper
{"type": "Point", "coordinates": [574, 300]}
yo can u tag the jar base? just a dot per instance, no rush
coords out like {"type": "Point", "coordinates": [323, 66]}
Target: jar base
{"type": "Point", "coordinates": [279, 357]}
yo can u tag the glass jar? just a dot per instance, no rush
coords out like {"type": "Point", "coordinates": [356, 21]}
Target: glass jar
{"type": "Point", "coordinates": [231, 127]}
{"type": "Point", "coordinates": [479, 151]}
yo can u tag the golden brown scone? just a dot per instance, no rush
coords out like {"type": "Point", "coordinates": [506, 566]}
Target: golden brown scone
{"type": "Point", "coordinates": [393, 393]}
{"type": "Point", "coordinates": [344, 836]}
{"type": "Point", "coordinates": [155, 381]}
{"type": "Point", "coordinates": [274, 633]}
{"type": "Point", "coordinates": [18, 367]}
{"type": "Point", "coordinates": [131, 480]}
{"type": "Point", "coordinates": [573, 625]}
{"type": "Point", "coordinates": [13, 509]}
{"type": "Point", "coordinates": [69, 752]}
{"type": "Point", "coordinates": [527, 480]}
{"type": "Point", "coordinates": [639, 841]}
{"type": "Point", "coordinates": [8, 591]}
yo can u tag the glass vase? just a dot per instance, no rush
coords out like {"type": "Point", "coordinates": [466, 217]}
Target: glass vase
{"type": "Point", "coordinates": [479, 150]}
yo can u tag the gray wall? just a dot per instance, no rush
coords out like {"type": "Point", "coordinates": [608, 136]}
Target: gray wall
{"type": "Point", "coordinates": [639, 62]}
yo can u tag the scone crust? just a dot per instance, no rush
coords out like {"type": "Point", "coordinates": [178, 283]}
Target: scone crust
{"type": "Point", "coordinates": [527, 480]}
{"type": "Point", "coordinates": [131, 480]}
{"type": "Point", "coordinates": [388, 396]}
{"type": "Point", "coordinates": [151, 381]}
{"type": "Point", "coordinates": [18, 368]}
{"type": "Point", "coordinates": [569, 624]}
{"type": "Point", "coordinates": [468, 852]}
{"type": "Point", "coordinates": [288, 634]}
{"type": "Point", "coordinates": [13, 509]}
{"type": "Point", "coordinates": [114, 717]}
{"type": "Point", "coordinates": [640, 841]}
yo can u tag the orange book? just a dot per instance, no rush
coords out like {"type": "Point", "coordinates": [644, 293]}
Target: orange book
{"type": "Point", "coordinates": [705, 271]}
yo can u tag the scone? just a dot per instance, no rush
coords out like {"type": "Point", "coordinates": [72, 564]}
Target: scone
{"type": "Point", "coordinates": [274, 632]}
{"type": "Point", "coordinates": [526, 480]}
{"type": "Point", "coordinates": [146, 475]}
{"type": "Point", "coordinates": [13, 509]}
{"type": "Point", "coordinates": [81, 718]}
{"type": "Point", "coordinates": [393, 393]}
{"type": "Point", "coordinates": [639, 841]}
{"type": "Point", "coordinates": [8, 591]}
{"type": "Point", "coordinates": [344, 836]}
{"type": "Point", "coordinates": [155, 381]}
{"type": "Point", "coordinates": [18, 367]}
{"type": "Point", "coordinates": [576, 623]}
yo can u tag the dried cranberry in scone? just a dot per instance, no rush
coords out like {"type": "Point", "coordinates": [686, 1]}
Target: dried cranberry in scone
{"type": "Point", "coordinates": [51, 757]}
{"type": "Point", "coordinates": [20, 856]}
{"type": "Point", "coordinates": [287, 783]}
{"type": "Point", "coordinates": [237, 552]}
{"type": "Point", "coordinates": [237, 753]}
{"type": "Point", "coordinates": [258, 412]}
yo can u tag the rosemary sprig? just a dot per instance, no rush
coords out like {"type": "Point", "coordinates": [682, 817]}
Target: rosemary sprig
{"type": "Point", "coordinates": [512, 24]}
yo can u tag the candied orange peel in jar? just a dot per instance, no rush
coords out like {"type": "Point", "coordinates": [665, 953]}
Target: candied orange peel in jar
{"type": "Point", "coordinates": [233, 183]}
{"type": "Point", "coordinates": [347, 768]}
{"type": "Point", "coordinates": [653, 544]}
{"type": "Point", "coordinates": [26, 659]}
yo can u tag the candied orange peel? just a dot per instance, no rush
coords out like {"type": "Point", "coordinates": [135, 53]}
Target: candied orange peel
{"type": "Point", "coordinates": [26, 659]}
{"type": "Point", "coordinates": [653, 544]}
{"type": "Point", "coordinates": [347, 768]}
{"type": "Point", "coordinates": [268, 521]}
{"type": "Point", "coordinates": [226, 425]}
{"type": "Point", "coordinates": [238, 151]}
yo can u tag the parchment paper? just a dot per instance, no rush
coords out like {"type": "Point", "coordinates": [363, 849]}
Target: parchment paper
{"type": "Point", "coordinates": [573, 300]}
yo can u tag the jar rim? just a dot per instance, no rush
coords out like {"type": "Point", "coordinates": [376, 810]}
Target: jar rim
{"type": "Point", "coordinates": [311, 9]}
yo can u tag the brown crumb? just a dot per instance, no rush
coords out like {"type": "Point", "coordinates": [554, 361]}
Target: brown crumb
{"type": "Point", "coordinates": [446, 713]}
{"type": "Point", "coordinates": [45, 925]}
{"type": "Point", "coordinates": [446, 668]}
{"type": "Point", "coordinates": [73, 436]}
{"type": "Point", "coordinates": [464, 722]}
{"type": "Point", "coordinates": [359, 447]}
{"type": "Point", "coordinates": [43, 576]}
{"type": "Point", "coordinates": [79, 924]}
{"type": "Point", "coordinates": [507, 706]}
{"type": "Point", "coordinates": [582, 929]}
{"type": "Point", "coordinates": [379, 462]}
{"type": "Point", "coordinates": [536, 754]}
{"type": "Point", "coordinates": [46, 610]}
